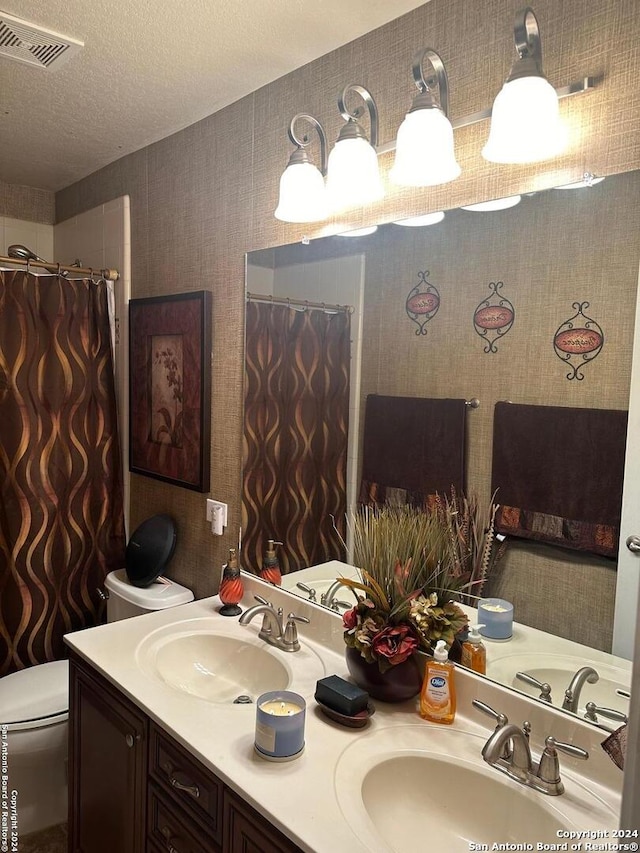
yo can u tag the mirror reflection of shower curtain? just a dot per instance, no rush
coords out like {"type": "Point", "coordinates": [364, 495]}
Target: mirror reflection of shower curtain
{"type": "Point", "coordinates": [61, 516]}
{"type": "Point", "coordinates": [295, 434]}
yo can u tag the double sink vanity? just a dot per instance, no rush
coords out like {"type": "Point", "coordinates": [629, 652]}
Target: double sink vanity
{"type": "Point", "coordinates": [153, 718]}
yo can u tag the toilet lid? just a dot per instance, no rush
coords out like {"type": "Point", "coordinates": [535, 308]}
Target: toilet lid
{"type": "Point", "coordinates": [38, 693]}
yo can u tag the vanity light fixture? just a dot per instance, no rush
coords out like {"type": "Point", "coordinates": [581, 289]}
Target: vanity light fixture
{"type": "Point", "coordinates": [303, 195]}
{"type": "Point", "coordinates": [525, 128]}
{"type": "Point", "coordinates": [494, 204]}
{"type": "Point", "coordinates": [353, 175]}
{"type": "Point", "coordinates": [525, 120]}
{"type": "Point", "coordinates": [421, 221]}
{"type": "Point", "coordinates": [424, 146]}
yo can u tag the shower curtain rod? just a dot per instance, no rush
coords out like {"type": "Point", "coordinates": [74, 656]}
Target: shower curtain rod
{"type": "Point", "coordinates": [56, 269]}
{"type": "Point", "coordinates": [301, 303]}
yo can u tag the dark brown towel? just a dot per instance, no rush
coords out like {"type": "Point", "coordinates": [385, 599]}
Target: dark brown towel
{"type": "Point", "coordinates": [412, 448]}
{"type": "Point", "coordinates": [559, 473]}
{"type": "Point", "coordinates": [616, 746]}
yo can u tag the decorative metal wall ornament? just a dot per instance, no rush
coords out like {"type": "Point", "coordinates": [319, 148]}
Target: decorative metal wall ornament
{"type": "Point", "coordinates": [578, 340]}
{"type": "Point", "coordinates": [493, 317]}
{"type": "Point", "coordinates": [422, 302]}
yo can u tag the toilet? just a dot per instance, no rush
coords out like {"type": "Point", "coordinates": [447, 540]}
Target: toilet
{"type": "Point", "coordinates": [34, 708]}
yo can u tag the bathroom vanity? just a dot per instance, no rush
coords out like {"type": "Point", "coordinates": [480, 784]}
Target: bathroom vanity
{"type": "Point", "coordinates": [162, 759]}
{"type": "Point", "coordinates": [167, 800]}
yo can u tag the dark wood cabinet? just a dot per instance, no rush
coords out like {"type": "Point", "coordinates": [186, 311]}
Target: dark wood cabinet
{"type": "Point", "coordinates": [246, 831]}
{"type": "Point", "coordinates": [133, 789]}
{"type": "Point", "coordinates": [107, 767]}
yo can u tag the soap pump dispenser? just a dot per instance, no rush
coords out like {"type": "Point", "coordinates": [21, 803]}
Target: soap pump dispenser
{"type": "Point", "coordinates": [438, 694]}
{"type": "Point", "coordinates": [231, 586]}
{"type": "Point", "coordinates": [270, 570]}
{"type": "Point", "coordinates": [474, 653]}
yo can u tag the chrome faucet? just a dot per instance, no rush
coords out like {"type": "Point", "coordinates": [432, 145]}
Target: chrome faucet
{"type": "Point", "coordinates": [572, 693]}
{"type": "Point", "coordinates": [329, 599]}
{"type": "Point", "coordinates": [508, 750]}
{"type": "Point", "coordinates": [273, 631]}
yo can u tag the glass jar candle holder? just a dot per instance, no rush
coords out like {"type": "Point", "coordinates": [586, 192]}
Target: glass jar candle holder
{"type": "Point", "coordinates": [280, 718]}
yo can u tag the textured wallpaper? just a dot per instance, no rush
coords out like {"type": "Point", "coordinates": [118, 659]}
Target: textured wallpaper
{"type": "Point", "coordinates": [203, 197]}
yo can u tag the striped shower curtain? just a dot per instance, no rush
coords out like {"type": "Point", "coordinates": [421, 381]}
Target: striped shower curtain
{"type": "Point", "coordinates": [61, 508]}
{"type": "Point", "coordinates": [296, 421]}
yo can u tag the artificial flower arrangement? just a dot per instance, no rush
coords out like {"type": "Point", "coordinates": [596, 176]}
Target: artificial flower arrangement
{"type": "Point", "coordinates": [419, 564]}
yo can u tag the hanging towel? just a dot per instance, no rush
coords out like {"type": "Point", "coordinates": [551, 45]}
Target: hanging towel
{"type": "Point", "coordinates": [413, 448]}
{"type": "Point", "coordinates": [558, 473]}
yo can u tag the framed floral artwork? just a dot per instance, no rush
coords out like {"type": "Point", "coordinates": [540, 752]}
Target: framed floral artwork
{"type": "Point", "coordinates": [170, 388]}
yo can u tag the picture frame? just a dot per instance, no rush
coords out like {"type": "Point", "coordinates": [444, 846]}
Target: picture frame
{"type": "Point", "coordinates": [170, 388]}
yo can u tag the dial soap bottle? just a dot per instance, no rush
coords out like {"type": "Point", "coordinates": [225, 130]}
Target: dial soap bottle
{"type": "Point", "coordinates": [438, 694]}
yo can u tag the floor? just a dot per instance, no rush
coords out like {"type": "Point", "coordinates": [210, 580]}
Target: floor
{"type": "Point", "coordinates": [51, 840]}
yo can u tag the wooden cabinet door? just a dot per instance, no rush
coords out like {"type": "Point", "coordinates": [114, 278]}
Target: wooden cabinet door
{"type": "Point", "coordinates": [246, 831]}
{"type": "Point", "coordinates": [107, 767]}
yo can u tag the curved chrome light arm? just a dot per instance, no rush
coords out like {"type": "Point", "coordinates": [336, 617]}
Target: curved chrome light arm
{"type": "Point", "coordinates": [303, 141]}
{"type": "Point", "coordinates": [438, 79]}
{"type": "Point", "coordinates": [353, 128]}
{"type": "Point", "coordinates": [526, 35]}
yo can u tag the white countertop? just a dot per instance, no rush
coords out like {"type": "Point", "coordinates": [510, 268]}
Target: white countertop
{"type": "Point", "coordinates": [299, 797]}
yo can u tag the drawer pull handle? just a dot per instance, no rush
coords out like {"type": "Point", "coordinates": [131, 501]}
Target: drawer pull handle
{"type": "Point", "coordinates": [166, 831]}
{"type": "Point", "coordinates": [189, 789]}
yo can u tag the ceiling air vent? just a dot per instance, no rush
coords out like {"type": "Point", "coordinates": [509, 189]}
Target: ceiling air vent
{"type": "Point", "coordinates": [34, 45]}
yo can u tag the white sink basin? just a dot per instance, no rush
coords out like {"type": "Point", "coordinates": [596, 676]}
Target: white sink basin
{"type": "Point", "coordinates": [422, 787]}
{"type": "Point", "coordinates": [198, 658]}
{"type": "Point", "coordinates": [558, 670]}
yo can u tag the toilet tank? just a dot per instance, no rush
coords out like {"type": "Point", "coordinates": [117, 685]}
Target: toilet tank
{"type": "Point", "coordinates": [126, 600]}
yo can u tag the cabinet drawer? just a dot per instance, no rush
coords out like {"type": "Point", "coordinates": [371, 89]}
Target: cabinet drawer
{"type": "Point", "coordinates": [171, 829]}
{"type": "Point", "coordinates": [246, 831]}
{"type": "Point", "coordinates": [186, 781]}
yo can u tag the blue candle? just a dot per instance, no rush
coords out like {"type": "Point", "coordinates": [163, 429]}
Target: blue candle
{"type": "Point", "coordinates": [280, 717]}
{"type": "Point", "coordinates": [496, 617]}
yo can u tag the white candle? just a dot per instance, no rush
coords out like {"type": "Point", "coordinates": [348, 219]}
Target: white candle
{"type": "Point", "coordinates": [280, 708]}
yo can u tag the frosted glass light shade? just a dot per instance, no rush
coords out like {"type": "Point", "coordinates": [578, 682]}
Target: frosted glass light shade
{"type": "Point", "coordinates": [353, 177]}
{"type": "Point", "coordinates": [494, 204]}
{"type": "Point", "coordinates": [303, 196]}
{"type": "Point", "coordinates": [424, 150]}
{"type": "Point", "coordinates": [421, 221]}
{"type": "Point", "coordinates": [525, 123]}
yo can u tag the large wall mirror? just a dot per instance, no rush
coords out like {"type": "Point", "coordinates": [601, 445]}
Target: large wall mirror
{"type": "Point", "coordinates": [557, 253]}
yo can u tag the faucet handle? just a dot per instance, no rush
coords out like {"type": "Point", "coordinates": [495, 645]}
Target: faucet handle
{"type": "Point", "coordinates": [262, 600]}
{"type": "Point", "coordinates": [610, 713]}
{"type": "Point", "coordinates": [543, 686]}
{"type": "Point", "coordinates": [290, 641]}
{"type": "Point", "coordinates": [549, 766]}
{"type": "Point", "coordinates": [311, 592]}
{"type": "Point", "coordinates": [501, 719]}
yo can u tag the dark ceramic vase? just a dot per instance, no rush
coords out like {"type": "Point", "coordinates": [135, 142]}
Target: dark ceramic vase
{"type": "Point", "coordinates": [399, 682]}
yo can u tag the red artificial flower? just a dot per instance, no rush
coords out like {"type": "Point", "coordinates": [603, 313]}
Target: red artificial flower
{"type": "Point", "coordinates": [350, 619]}
{"type": "Point", "coordinates": [396, 643]}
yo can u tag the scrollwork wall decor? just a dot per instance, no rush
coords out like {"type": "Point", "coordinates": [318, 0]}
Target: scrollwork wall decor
{"type": "Point", "coordinates": [422, 302]}
{"type": "Point", "coordinates": [494, 317]}
{"type": "Point", "coordinates": [578, 340]}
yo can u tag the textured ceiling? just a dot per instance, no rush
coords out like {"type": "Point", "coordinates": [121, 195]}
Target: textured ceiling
{"type": "Point", "coordinates": [152, 67]}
